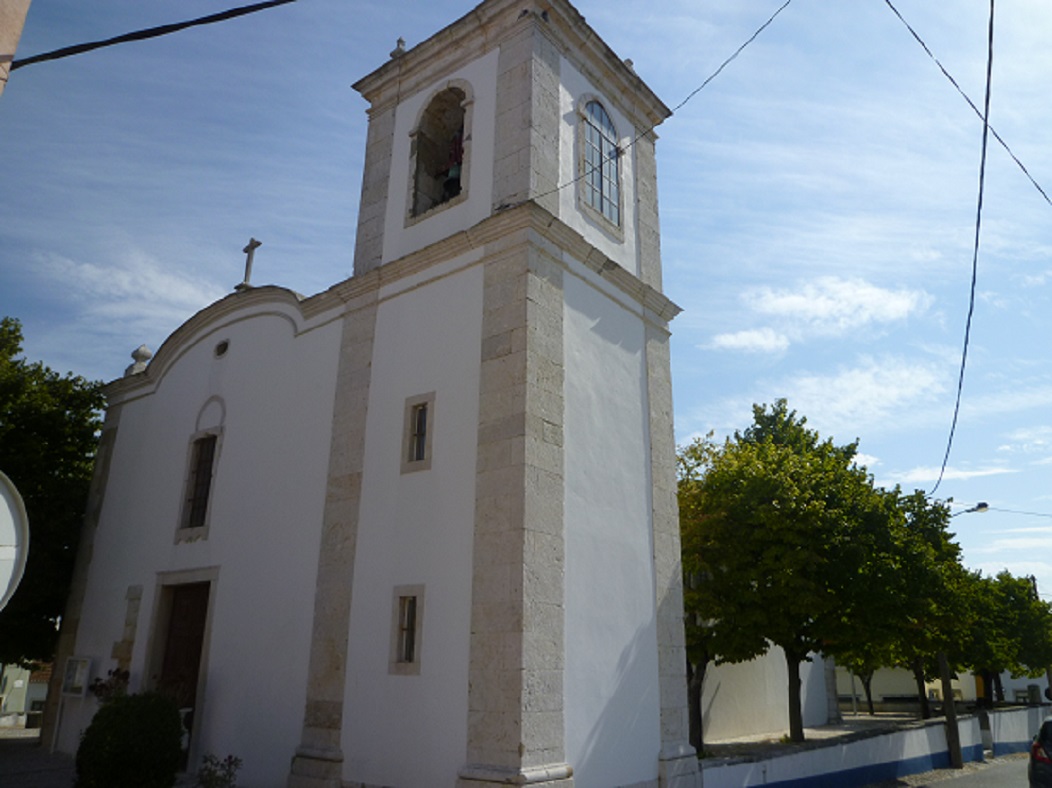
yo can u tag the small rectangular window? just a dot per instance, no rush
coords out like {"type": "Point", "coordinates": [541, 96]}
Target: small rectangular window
{"type": "Point", "coordinates": [418, 438]}
{"type": "Point", "coordinates": [418, 432]}
{"type": "Point", "coordinates": [202, 458]}
{"type": "Point", "coordinates": [407, 615]}
{"type": "Point", "coordinates": [200, 481]}
{"type": "Point", "coordinates": [407, 629]}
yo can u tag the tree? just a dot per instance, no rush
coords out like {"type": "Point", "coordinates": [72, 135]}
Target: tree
{"type": "Point", "coordinates": [48, 429]}
{"type": "Point", "coordinates": [1009, 628]}
{"type": "Point", "coordinates": [786, 539]}
{"type": "Point", "coordinates": [928, 600]}
{"type": "Point", "coordinates": [706, 639]}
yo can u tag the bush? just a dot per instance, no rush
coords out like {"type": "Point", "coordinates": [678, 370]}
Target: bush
{"type": "Point", "coordinates": [134, 741]}
{"type": "Point", "coordinates": [215, 773]}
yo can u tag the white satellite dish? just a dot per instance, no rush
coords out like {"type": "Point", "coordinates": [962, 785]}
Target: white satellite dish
{"type": "Point", "coordinates": [14, 539]}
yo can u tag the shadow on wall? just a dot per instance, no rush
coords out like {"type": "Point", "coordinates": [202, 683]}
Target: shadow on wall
{"type": "Point", "coordinates": [628, 718]}
{"type": "Point", "coordinates": [624, 743]}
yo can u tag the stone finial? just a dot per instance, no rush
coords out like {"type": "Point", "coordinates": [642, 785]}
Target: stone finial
{"type": "Point", "coordinates": [630, 65]}
{"type": "Point", "coordinates": [140, 356]}
{"type": "Point", "coordinates": [399, 49]}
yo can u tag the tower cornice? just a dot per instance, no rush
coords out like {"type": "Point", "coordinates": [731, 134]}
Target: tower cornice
{"type": "Point", "coordinates": [488, 25]}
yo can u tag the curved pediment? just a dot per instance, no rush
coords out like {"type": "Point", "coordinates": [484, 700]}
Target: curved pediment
{"type": "Point", "coordinates": [300, 313]}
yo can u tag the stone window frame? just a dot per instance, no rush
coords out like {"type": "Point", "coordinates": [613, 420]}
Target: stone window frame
{"type": "Point", "coordinates": [184, 532]}
{"type": "Point", "coordinates": [615, 228]}
{"type": "Point", "coordinates": [468, 105]}
{"type": "Point", "coordinates": [398, 665]}
{"type": "Point", "coordinates": [411, 464]}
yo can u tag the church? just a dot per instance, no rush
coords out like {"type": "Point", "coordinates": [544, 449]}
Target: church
{"type": "Point", "coordinates": [420, 529]}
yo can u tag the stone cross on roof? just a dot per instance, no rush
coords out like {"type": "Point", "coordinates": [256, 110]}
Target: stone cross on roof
{"type": "Point", "coordinates": [250, 251]}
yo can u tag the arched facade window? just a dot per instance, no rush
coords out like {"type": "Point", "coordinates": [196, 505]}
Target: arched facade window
{"type": "Point", "coordinates": [601, 182]}
{"type": "Point", "coordinates": [438, 152]}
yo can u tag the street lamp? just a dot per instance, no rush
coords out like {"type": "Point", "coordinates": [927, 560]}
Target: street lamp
{"type": "Point", "coordinates": [953, 735]}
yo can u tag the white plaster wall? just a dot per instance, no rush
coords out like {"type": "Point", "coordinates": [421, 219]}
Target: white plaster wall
{"type": "Point", "coordinates": [1012, 683]}
{"type": "Point", "coordinates": [886, 681]}
{"type": "Point", "coordinates": [899, 681]}
{"type": "Point", "coordinates": [917, 745]}
{"type": "Point", "coordinates": [400, 240]}
{"type": "Point", "coordinates": [753, 697]}
{"type": "Point", "coordinates": [416, 528]}
{"type": "Point", "coordinates": [265, 519]}
{"type": "Point", "coordinates": [573, 86]}
{"type": "Point", "coordinates": [1013, 730]}
{"type": "Point", "coordinates": [611, 679]}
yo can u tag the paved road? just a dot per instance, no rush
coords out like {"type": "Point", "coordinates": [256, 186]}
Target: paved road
{"type": "Point", "coordinates": [23, 764]}
{"type": "Point", "coordinates": [1003, 773]}
{"type": "Point", "coordinates": [1006, 772]}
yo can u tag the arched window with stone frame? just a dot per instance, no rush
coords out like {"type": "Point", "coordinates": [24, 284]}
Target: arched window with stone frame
{"type": "Point", "coordinates": [600, 162]}
{"type": "Point", "coordinates": [440, 150]}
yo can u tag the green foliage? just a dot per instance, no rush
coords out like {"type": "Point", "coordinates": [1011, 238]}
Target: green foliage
{"type": "Point", "coordinates": [1007, 626]}
{"type": "Point", "coordinates": [132, 742]}
{"type": "Point", "coordinates": [785, 540]}
{"type": "Point", "coordinates": [215, 773]}
{"type": "Point", "coordinates": [115, 685]}
{"type": "Point", "coordinates": [782, 530]}
{"type": "Point", "coordinates": [917, 611]}
{"type": "Point", "coordinates": [48, 427]}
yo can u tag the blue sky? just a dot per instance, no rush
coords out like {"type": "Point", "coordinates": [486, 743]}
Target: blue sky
{"type": "Point", "coordinates": [818, 201]}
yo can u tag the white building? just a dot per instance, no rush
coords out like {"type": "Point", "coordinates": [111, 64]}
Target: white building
{"type": "Point", "coordinates": [420, 529]}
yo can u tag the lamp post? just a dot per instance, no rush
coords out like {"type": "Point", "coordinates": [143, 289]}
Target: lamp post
{"type": "Point", "coordinates": [982, 506]}
{"type": "Point", "coordinates": [949, 704]}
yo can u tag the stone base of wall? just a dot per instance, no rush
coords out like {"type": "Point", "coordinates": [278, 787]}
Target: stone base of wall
{"type": "Point", "coordinates": [680, 772]}
{"type": "Point", "coordinates": [316, 770]}
{"type": "Point", "coordinates": [555, 775]}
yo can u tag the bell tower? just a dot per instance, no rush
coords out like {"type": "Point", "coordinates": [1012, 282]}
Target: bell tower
{"type": "Point", "coordinates": [503, 444]}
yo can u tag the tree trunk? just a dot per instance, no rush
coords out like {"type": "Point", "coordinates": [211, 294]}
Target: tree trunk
{"type": "Point", "coordinates": [796, 715]}
{"type": "Point", "coordinates": [695, 684]}
{"type": "Point", "coordinates": [949, 706]}
{"type": "Point", "coordinates": [999, 690]}
{"type": "Point", "coordinates": [867, 685]}
{"type": "Point", "coordinates": [922, 695]}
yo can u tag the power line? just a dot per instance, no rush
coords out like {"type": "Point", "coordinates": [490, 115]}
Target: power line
{"type": "Point", "coordinates": [975, 247]}
{"type": "Point", "coordinates": [727, 62]}
{"type": "Point", "coordinates": [1018, 511]}
{"type": "Point", "coordinates": [971, 103]}
{"type": "Point", "coordinates": [619, 150]}
{"type": "Point", "coordinates": [142, 35]}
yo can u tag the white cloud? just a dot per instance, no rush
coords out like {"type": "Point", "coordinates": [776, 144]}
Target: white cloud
{"type": "Point", "coordinates": [1040, 529]}
{"type": "Point", "coordinates": [826, 306]}
{"type": "Point", "coordinates": [831, 305]}
{"type": "Point", "coordinates": [110, 308]}
{"type": "Point", "coordinates": [759, 340]}
{"type": "Point", "coordinates": [866, 460]}
{"type": "Point", "coordinates": [931, 473]}
{"type": "Point", "coordinates": [1015, 545]}
{"type": "Point", "coordinates": [1036, 280]}
{"type": "Point", "coordinates": [1029, 440]}
{"type": "Point", "coordinates": [873, 393]}
{"type": "Point", "coordinates": [137, 277]}
{"type": "Point", "coordinates": [137, 289]}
